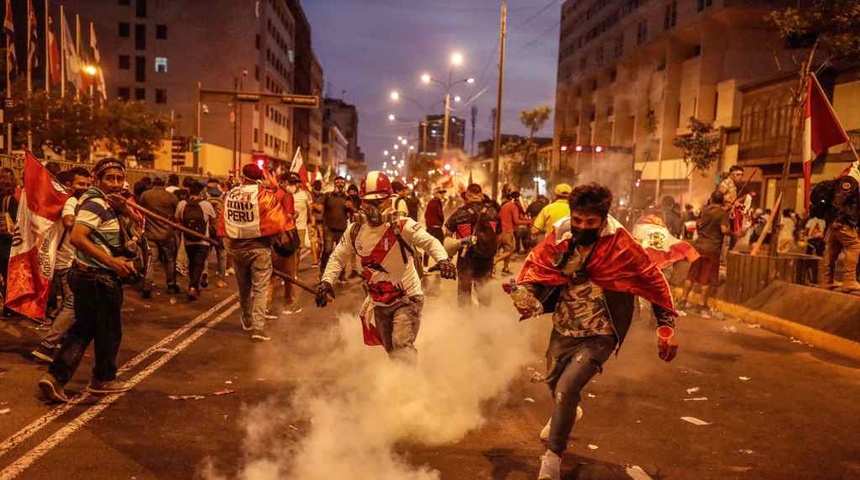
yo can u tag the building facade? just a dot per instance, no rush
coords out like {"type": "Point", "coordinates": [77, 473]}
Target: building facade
{"type": "Point", "coordinates": [159, 52]}
{"type": "Point", "coordinates": [335, 151]}
{"type": "Point", "coordinates": [631, 74]}
{"type": "Point", "coordinates": [431, 134]}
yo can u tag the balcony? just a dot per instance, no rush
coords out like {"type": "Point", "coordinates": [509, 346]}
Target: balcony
{"type": "Point", "coordinates": [854, 138]}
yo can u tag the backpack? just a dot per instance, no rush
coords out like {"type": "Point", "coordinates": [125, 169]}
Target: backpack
{"type": "Point", "coordinates": [194, 218]}
{"type": "Point", "coordinates": [217, 205]}
{"type": "Point", "coordinates": [485, 242]}
{"type": "Point", "coordinates": [846, 201]}
{"type": "Point", "coordinates": [821, 198]}
{"type": "Point", "coordinates": [412, 206]}
{"type": "Point", "coordinates": [7, 223]}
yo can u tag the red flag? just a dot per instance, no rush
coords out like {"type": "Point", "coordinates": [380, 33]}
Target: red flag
{"type": "Point", "coordinates": [9, 29]}
{"type": "Point", "coordinates": [821, 130]}
{"type": "Point", "coordinates": [53, 54]}
{"type": "Point", "coordinates": [298, 166]}
{"type": "Point", "coordinates": [34, 247]}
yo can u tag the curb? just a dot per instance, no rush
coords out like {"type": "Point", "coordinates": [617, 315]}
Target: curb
{"type": "Point", "coordinates": [821, 339]}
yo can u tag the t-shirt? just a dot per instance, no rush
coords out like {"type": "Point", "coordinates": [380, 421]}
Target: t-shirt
{"type": "Point", "coordinates": [335, 210]}
{"type": "Point", "coordinates": [65, 251]}
{"type": "Point", "coordinates": [551, 214]}
{"type": "Point", "coordinates": [302, 204]}
{"type": "Point", "coordinates": [711, 236]}
{"type": "Point", "coordinates": [162, 202]}
{"type": "Point", "coordinates": [208, 213]}
{"type": "Point", "coordinates": [95, 214]}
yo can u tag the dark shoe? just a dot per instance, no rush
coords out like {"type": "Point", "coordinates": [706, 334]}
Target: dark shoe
{"type": "Point", "coordinates": [112, 386]}
{"type": "Point", "coordinates": [146, 294]}
{"type": "Point", "coordinates": [173, 289]}
{"type": "Point", "coordinates": [204, 280]}
{"type": "Point", "coordinates": [259, 336]}
{"type": "Point", "coordinates": [193, 294]}
{"type": "Point", "coordinates": [43, 353]}
{"type": "Point", "coordinates": [52, 390]}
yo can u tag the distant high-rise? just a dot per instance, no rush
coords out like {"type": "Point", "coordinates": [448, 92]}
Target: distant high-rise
{"type": "Point", "coordinates": [432, 141]}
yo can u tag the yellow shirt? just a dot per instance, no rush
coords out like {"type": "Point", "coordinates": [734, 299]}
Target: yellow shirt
{"type": "Point", "coordinates": [551, 214]}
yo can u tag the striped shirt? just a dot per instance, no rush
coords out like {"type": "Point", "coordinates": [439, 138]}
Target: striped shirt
{"type": "Point", "coordinates": [94, 213]}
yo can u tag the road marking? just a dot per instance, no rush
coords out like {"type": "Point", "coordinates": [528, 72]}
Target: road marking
{"type": "Point", "coordinates": [24, 462]}
{"type": "Point", "coordinates": [28, 431]}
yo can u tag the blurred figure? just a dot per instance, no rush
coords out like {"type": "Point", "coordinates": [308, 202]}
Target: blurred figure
{"type": "Point", "coordinates": [545, 221]}
{"type": "Point", "coordinates": [160, 235]}
{"type": "Point", "coordinates": [197, 215]}
{"type": "Point", "coordinates": [316, 233]}
{"type": "Point", "coordinates": [511, 219]}
{"type": "Point", "coordinates": [336, 208]}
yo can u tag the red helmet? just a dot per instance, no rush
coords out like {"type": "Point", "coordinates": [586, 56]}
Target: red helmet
{"type": "Point", "coordinates": [375, 186]}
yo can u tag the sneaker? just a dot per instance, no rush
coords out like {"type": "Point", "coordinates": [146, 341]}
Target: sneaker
{"type": "Point", "coordinates": [182, 271]}
{"type": "Point", "coordinates": [221, 284]}
{"type": "Point", "coordinates": [292, 310]}
{"type": "Point", "coordinates": [111, 386]}
{"type": "Point", "coordinates": [506, 271]}
{"type": "Point", "coordinates": [681, 305]}
{"type": "Point", "coordinates": [230, 271]}
{"type": "Point", "coordinates": [544, 432]}
{"type": "Point", "coordinates": [270, 316]}
{"type": "Point", "coordinates": [173, 288]}
{"type": "Point", "coordinates": [550, 466]}
{"type": "Point", "coordinates": [260, 336]}
{"type": "Point", "coordinates": [193, 294]}
{"type": "Point", "coordinates": [204, 280]}
{"type": "Point", "coordinates": [43, 353]}
{"type": "Point", "coordinates": [850, 287]}
{"type": "Point", "coordinates": [246, 327]}
{"type": "Point", "coordinates": [52, 390]}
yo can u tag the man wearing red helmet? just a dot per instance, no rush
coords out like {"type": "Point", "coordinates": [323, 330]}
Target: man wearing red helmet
{"type": "Point", "coordinates": [386, 246]}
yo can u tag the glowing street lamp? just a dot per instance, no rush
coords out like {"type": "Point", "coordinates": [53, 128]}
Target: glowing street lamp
{"type": "Point", "coordinates": [395, 95]}
{"type": "Point", "coordinates": [426, 78]}
{"type": "Point", "coordinates": [385, 152]}
{"type": "Point", "coordinates": [456, 59]}
{"type": "Point", "coordinates": [391, 117]}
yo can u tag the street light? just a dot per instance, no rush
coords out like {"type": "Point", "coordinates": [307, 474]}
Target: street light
{"type": "Point", "coordinates": [403, 141]}
{"type": "Point", "coordinates": [385, 152]}
{"type": "Point", "coordinates": [395, 95]}
{"type": "Point", "coordinates": [456, 61]}
{"type": "Point", "coordinates": [391, 117]}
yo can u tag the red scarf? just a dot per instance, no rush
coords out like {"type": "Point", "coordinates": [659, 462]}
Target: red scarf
{"type": "Point", "coordinates": [618, 264]}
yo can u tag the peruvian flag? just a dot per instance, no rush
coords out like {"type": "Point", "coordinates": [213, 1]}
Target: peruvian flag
{"type": "Point", "coordinates": [660, 245]}
{"type": "Point", "coordinates": [298, 166]}
{"type": "Point", "coordinates": [821, 130]}
{"type": "Point", "coordinates": [53, 54]}
{"type": "Point", "coordinates": [34, 246]}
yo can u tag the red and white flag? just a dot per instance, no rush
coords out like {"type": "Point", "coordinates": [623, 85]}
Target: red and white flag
{"type": "Point", "coordinates": [821, 130]}
{"type": "Point", "coordinates": [99, 78]}
{"type": "Point", "coordinates": [661, 246]}
{"type": "Point", "coordinates": [33, 40]}
{"type": "Point", "coordinates": [34, 246]}
{"type": "Point", "coordinates": [298, 166]}
{"type": "Point", "coordinates": [53, 54]}
{"type": "Point", "coordinates": [9, 30]}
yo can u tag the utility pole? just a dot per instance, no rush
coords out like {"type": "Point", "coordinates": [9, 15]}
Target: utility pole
{"type": "Point", "coordinates": [497, 143]}
{"type": "Point", "coordinates": [474, 120]}
{"type": "Point", "coordinates": [447, 121]}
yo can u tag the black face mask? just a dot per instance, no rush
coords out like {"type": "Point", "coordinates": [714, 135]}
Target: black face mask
{"type": "Point", "coordinates": [77, 193]}
{"type": "Point", "coordinates": [585, 236]}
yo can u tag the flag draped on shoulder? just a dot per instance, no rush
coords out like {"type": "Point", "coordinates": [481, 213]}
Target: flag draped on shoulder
{"type": "Point", "coordinates": [821, 130]}
{"type": "Point", "coordinates": [34, 245]}
{"type": "Point", "coordinates": [251, 211]}
{"type": "Point", "coordinates": [298, 166]}
{"type": "Point", "coordinates": [661, 246]}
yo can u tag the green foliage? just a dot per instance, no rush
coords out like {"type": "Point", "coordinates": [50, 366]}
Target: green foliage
{"type": "Point", "coordinates": [833, 24]}
{"type": "Point", "coordinates": [133, 128]}
{"type": "Point", "coordinates": [702, 147]}
{"type": "Point", "coordinates": [535, 119]}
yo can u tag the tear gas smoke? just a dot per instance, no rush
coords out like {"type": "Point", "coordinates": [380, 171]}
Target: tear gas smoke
{"type": "Point", "coordinates": [353, 406]}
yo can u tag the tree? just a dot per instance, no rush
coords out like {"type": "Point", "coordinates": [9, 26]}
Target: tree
{"type": "Point", "coordinates": [133, 129]}
{"type": "Point", "coordinates": [535, 119]}
{"type": "Point", "coordinates": [524, 151]}
{"type": "Point", "coordinates": [702, 147]}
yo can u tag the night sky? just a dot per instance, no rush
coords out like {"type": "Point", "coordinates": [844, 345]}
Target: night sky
{"type": "Point", "coordinates": [370, 47]}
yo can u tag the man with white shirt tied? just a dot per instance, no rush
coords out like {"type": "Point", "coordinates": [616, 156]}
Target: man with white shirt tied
{"type": "Point", "coordinates": [78, 181]}
{"type": "Point", "coordinates": [386, 246]}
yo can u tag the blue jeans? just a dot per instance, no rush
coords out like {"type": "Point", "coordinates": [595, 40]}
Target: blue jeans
{"type": "Point", "coordinates": [581, 360]}
{"type": "Point", "coordinates": [253, 273]}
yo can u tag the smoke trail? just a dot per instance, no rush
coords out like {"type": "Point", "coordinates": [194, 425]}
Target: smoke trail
{"type": "Point", "coordinates": [358, 405]}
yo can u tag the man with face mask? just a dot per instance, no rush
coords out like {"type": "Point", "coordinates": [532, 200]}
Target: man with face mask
{"type": "Point", "coordinates": [587, 272]}
{"type": "Point", "coordinates": [386, 246]}
{"type": "Point", "coordinates": [335, 207]}
{"type": "Point", "coordinates": [96, 282]}
{"type": "Point", "coordinates": [78, 181]}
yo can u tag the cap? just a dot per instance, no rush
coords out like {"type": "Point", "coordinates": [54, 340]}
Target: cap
{"type": "Point", "coordinates": [563, 189]}
{"type": "Point", "coordinates": [252, 171]}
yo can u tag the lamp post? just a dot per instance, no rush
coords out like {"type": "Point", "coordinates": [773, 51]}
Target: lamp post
{"type": "Point", "coordinates": [456, 61]}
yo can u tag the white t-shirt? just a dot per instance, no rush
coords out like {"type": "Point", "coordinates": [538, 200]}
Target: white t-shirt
{"type": "Point", "coordinates": [65, 251]}
{"type": "Point", "coordinates": [301, 202]}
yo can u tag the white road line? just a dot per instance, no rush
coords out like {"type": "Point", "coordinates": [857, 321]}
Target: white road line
{"type": "Point", "coordinates": [28, 431]}
{"type": "Point", "coordinates": [20, 465]}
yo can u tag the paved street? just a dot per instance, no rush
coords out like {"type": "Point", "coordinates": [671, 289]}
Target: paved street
{"type": "Point", "coordinates": [321, 404]}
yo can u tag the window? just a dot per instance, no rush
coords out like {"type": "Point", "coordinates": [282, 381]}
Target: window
{"type": "Point", "coordinates": [671, 15]}
{"type": "Point", "coordinates": [124, 30]}
{"type": "Point", "coordinates": [257, 72]}
{"type": "Point", "coordinates": [256, 135]}
{"type": "Point", "coordinates": [124, 62]}
{"type": "Point", "coordinates": [140, 94]}
{"type": "Point", "coordinates": [140, 11]}
{"type": "Point", "coordinates": [161, 32]}
{"type": "Point", "coordinates": [160, 95]}
{"type": "Point", "coordinates": [697, 50]}
{"type": "Point", "coordinates": [140, 69]}
{"type": "Point", "coordinates": [257, 41]}
{"type": "Point", "coordinates": [641, 32]}
{"type": "Point", "coordinates": [160, 64]}
{"type": "Point", "coordinates": [613, 75]}
{"type": "Point", "coordinates": [610, 111]}
{"type": "Point", "coordinates": [140, 36]}
{"type": "Point", "coordinates": [123, 93]}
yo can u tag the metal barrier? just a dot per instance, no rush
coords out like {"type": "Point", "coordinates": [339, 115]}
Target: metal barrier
{"type": "Point", "coordinates": [747, 275]}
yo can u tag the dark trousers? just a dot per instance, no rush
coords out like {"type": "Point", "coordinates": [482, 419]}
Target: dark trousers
{"type": "Point", "coordinates": [165, 250]}
{"type": "Point", "coordinates": [438, 234]}
{"type": "Point", "coordinates": [98, 300]}
{"type": "Point", "coordinates": [477, 272]}
{"type": "Point", "coordinates": [330, 240]}
{"type": "Point", "coordinates": [583, 360]}
{"type": "Point", "coordinates": [197, 255]}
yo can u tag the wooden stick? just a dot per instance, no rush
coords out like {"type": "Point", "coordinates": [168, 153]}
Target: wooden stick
{"type": "Point", "coordinates": [767, 227]}
{"type": "Point", "coordinates": [180, 227]}
{"type": "Point", "coordinates": [295, 281]}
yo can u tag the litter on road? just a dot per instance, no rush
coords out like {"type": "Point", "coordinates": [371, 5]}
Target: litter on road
{"type": "Point", "coordinates": [4, 411]}
{"type": "Point", "coordinates": [692, 390]}
{"type": "Point", "coordinates": [223, 392]}
{"type": "Point", "coordinates": [695, 421]}
{"type": "Point", "coordinates": [746, 451]}
{"type": "Point", "coordinates": [744, 379]}
{"type": "Point", "coordinates": [529, 400]}
{"type": "Point", "coordinates": [591, 395]}
{"type": "Point", "coordinates": [592, 447]}
{"type": "Point", "coordinates": [696, 399]}
{"type": "Point", "coordinates": [186, 397]}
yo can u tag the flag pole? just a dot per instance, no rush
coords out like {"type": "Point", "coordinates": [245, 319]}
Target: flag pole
{"type": "Point", "coordinates": [8, 95]}
{"type": "Point", "coordinates": [47, 48]}
{"type": "Point", "coordinates": [29, 53]}
{"type": "Point", "coordinates": [62, 52]}
{"type": "Point", "coordinates": [78, 52]}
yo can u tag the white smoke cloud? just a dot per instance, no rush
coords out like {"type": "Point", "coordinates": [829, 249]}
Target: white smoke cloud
{"type": "Point", "coordinates": [353, 406]}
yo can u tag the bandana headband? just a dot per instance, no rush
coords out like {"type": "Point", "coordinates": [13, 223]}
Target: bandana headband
{"type": "Point", "coordinates": [108, 165]}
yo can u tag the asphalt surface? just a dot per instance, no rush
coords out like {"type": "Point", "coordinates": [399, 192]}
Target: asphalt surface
{"type": "Point", "coordinates": [774, 409]}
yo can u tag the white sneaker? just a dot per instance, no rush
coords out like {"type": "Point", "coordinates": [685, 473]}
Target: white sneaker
{"type": "Point", "coordinates": [550, 466]}
{"type": "Point", "coordinates": [292, 310]}
{"type": "Point", "coordinates": [544, 432]}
